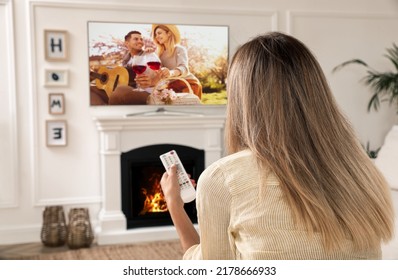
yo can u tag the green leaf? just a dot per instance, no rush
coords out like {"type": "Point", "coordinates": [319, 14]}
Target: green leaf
{"type": "Point", "coordinates": [352, 61]}
{"type": "Point", "coordinates": [383, 84]}
{"type": "Point", "coordinates": [374, 101]}
{"type": "Point", "coordinates": [392, 55]}
{"type": "Point", "coordinates": [371, 153]}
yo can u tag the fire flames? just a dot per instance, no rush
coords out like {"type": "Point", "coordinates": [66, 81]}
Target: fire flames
{"type": "Point", "coordinates": [154, 199]}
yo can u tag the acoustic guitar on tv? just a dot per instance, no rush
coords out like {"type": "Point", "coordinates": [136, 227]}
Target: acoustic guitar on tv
{"type": "Point", "coordinates": [109, 78]}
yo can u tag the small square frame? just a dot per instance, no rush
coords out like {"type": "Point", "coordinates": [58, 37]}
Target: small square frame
{"type": "Point", "coordinates": [55, 77]}
{"type": "Point", "coordinates": [56, 103]}
{"type": "Point", "coordinates": [56, 133]}
{"type": "Point", "coordinates": [56, 45]}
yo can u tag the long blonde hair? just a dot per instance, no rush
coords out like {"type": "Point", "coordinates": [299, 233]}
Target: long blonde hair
{"type": "Point", "coordinates": [282, 109]}
{"type": "Point", "coordinates": [169, 46]}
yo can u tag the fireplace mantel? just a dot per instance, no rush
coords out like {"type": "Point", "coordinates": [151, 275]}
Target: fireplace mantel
{"type": "Point", "coordinates": [118, 134]}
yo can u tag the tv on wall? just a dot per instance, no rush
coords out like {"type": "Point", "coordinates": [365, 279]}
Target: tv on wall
{"type": "Point", "coordinates": [112, 81]}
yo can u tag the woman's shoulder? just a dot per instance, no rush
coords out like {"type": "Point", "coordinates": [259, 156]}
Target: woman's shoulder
{"type": "Point", "coordinates": [179, 48]}
{"type": "Point", "coordinates": [235, 157]}
{"type": "Point", "coordinates": [227, 171]}
{"type": "Point", "coordinates": [239, 163]}
{"type": "Point", "coordinates": [232, 161]}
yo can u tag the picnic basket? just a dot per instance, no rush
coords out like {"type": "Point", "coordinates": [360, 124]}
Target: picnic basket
{"type": "Point", "coordinates": [162, 95]}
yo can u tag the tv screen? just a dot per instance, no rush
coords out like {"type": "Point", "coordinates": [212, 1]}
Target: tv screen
{"type": "Point", "coordinates": [193, 66]}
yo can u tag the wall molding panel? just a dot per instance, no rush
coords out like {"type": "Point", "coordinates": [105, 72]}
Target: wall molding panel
{"type": "Point", "coordinates": [9, 183]}
{"type": "Point", "coordinates": [293, 15]}
{"type": "Point", "coordinates": [68, 201]}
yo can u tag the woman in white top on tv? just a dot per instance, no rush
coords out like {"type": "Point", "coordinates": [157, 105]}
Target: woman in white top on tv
{"type": "Point", "coordinates": [174, 57]}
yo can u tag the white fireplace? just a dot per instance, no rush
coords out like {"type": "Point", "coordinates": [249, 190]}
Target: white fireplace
{"type": "Point", "coordinates": [124, 133]}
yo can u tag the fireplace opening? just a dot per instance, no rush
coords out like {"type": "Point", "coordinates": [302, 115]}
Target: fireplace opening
{"type": "Point", "coordinates": [143, 203]}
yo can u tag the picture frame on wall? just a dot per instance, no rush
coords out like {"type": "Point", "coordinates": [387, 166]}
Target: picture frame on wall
{"type": "Point", "coordinates": [56, 103]}
{"type": "Point", "coordinates": [55, 77]}
{"type": "Point", "coordinates": [56, 45]}
{"type": "Point", "coordinates": [56, 133]}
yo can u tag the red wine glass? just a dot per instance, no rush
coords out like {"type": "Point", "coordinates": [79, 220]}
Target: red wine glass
{"type": "Point", "coordinates": [153, 61]}
{"type": "Point", "coordinates": [139, 67]}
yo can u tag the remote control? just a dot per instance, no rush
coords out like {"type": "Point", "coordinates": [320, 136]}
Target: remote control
{"type": "Point", "coordinates": [187, 190]}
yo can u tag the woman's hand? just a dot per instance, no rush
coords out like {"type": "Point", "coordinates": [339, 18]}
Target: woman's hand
{"type": "Point", "coordinates": [171, 188]}
{"type": "Point", "coordinates": [165, 72]}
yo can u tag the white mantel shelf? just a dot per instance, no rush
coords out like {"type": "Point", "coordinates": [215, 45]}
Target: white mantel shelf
{"type": "Point", "coordinates": [118, 134]}
{"type": "Point", "coordinates": [157, 122]}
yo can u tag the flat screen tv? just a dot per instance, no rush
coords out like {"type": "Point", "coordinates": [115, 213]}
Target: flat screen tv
{"type": "Point", "coordinates": [206, 47]}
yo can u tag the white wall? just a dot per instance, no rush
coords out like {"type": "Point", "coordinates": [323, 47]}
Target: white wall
{"type": "Point", "coordinates": [33, 175]}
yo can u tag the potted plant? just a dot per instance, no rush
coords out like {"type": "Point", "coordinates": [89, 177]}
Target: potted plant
{"type": "Point", "coordinates": [384, 84]}
{"type": "Point", "coordinates": [371, 153]}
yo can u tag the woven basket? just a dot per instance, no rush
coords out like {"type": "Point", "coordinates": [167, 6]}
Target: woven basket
{"type": "Point", "coordinates": [80, 233]}
{"type": "Point", "coordinates": [54, 230]}
{"type": "Point", "coordinates": [188, 98]}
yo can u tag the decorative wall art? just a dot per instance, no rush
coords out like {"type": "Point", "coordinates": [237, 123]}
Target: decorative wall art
{"type": "Point", "coordinates": [55, 42]}
{"type": "Point", "coordinates": [55, 77]}
{"type": "Point", "coordinates": [56, 131]}
{"type": "Point", "coordinates": [56, 103]}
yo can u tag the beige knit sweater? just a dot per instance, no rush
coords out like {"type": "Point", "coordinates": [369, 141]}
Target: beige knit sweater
{"type": "Point", "coordinates": [240, 220]}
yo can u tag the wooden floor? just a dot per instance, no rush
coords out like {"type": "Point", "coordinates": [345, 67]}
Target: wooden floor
{"type": "Point", "coordinates": [18, 251]}
{"type": "Point", "coordinates": [156, 250]}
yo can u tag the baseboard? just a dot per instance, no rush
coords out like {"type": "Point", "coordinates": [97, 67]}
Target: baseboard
{"type": "Point", "coordinates": [20, 235]}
